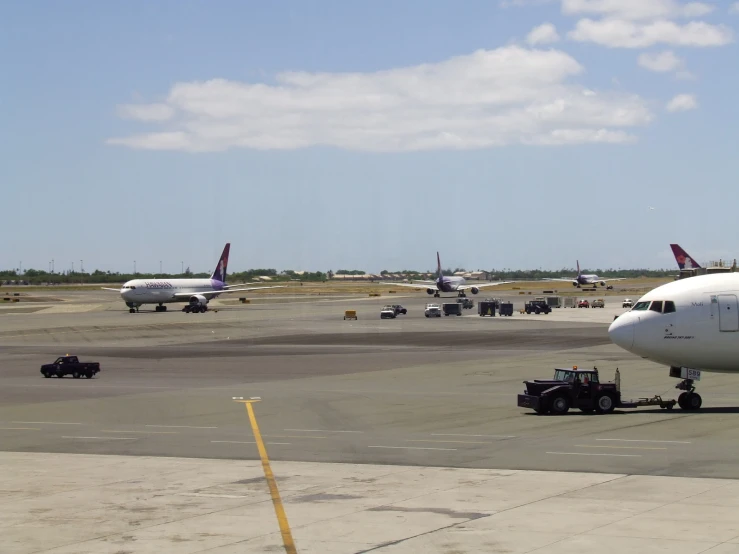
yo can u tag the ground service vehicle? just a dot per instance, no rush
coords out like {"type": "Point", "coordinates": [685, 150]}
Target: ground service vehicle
{"type": "Point", "coordinates": [583, 303]}
{"type": "Point", "coordinates": [388, 312]}
{"type": "Point", "coordinates": [350, 314]}
{"type": "Point", "coordinates": [486, 307]}
{"type": "Point", "coordinates": [552, 301]}
{"type": "Point", "coordinates": [505, 309]}
{"type": "Point", "coordinates": [570, 302]}
{"type": "Point", "coordinates": [433, 310]}
{"type": "Point", "coordinates": [452, 309]}
{"type": "Point", "coordinates": [627, 303]}
{"type": "Point", "coordinates": [599, 303]}
{"type": "Point", "coordinates": [70, 365]}
{"type": "Point", "coordinates": [399, 309]}
{"type": "Point", "coordinates": [537, 307]}
{"type": "Point", "coordinates": [582, 389]}
{"type": "Point", "coordinates": [467, 304]}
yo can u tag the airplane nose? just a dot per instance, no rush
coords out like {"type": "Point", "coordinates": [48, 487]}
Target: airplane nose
{"type": "Point", "coordinates": [621, 332]}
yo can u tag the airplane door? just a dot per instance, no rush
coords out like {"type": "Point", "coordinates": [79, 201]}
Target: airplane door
{"type": "Point", "coordinates": [728, 312]}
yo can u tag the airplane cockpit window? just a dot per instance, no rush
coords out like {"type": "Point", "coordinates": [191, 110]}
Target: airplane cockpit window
{"type": "Point", "coordinates": [656, 306]}
{"type": "Point", "coordinates": [669, 307]}
{"type": "Point", "coordinates": [641, 306]}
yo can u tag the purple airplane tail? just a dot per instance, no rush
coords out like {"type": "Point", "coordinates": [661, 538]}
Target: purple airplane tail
{"type": "Point", "coordinates": [578, 268]}
{"type": "Point", "coordinates": [440, 273]}
{"type": "Point", "coordinates": [219, 274]}
{"type": "Point", "coordinates": [683, 259]}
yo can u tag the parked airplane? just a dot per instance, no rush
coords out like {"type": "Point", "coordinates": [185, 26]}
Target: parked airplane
{"type": "Point", "coordinates": [196, 292]}
{"type": "Point", "coordinates": [683, 259]}
{"type": "Point", "coordinates": [691, 325]}
{"type": "Point", "coordinates": [447, 284]}
{"type": "Point", "coordinates": [581, 279]}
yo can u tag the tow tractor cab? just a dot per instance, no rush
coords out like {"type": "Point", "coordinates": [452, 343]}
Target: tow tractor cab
{"type": "Point", "coordinates": [571, 388]}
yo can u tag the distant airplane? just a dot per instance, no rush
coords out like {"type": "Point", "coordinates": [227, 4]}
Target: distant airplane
{"type": "Point", "coordinates": [446, 284]}
{"type": "Point", "coordinates": [196, 292]}
{"type": "Point", "coordinates": [683, 259]}
{"type": "Point", "coordinates": [581, 279]}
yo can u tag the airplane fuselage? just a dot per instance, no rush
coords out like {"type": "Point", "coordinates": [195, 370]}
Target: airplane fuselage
{"type": "Point", "coordinates": [702, 332]}
{"type": "Point", "coordinates": [449, 284]}
{"type": "Point", "coordinates": [162, 291]}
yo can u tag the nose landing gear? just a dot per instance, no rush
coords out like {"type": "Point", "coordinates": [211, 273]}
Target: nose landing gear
{"type": "Point", "coordinates": [688, 400]}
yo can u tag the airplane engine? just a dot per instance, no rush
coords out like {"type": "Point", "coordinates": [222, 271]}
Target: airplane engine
{"type": "Point", "coordinates": [575, 284]}
{"type": "Point", "coordinates": [474, 290]}
{"type": "Point", "coordinates": [197, 303]}
{"type": "Point", "coordinates": [602, 283]}
{"type": "Point", "coordinates": [430, 291]}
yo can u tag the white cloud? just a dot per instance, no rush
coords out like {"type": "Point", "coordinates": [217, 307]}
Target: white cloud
{"type": "Point", "coordinates": [618, 33]}
{"type": "Point", "coordinates": [146, 112]}
{"type": "Point", "coordinates": [734, 8]}
{"type": "Point", "coordinates": [682, 103]}
{"type": "Point", "coordinates": [661, 62]}
{"type": "Point", "coordinates": [509, 95]}
{"type": "Point", "coordinates": [636, 9]}
{"type": "Point", "coordinates": [543, 34]}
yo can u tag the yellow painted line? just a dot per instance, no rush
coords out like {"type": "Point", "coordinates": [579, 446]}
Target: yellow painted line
{"type": "Point", "coordinates": [19, 429]}
{"type": "Point", "coordinates": [622, 447]}
{"type": "Point", "coordinates": [460, 442]}
{"type": "Point", "coordinates": [287, 538]}
{"type": "Point", "coordinates": [140, 432]}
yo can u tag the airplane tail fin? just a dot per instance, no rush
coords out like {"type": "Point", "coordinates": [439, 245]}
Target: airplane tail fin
{"type": "Point", "coordinates": [219, 274]}
{"type": "Point", "coordinates": [683, 259]}
{"type": "Point", "coordinates": [578, 268]}
{"type": "Point", "coordinates": [439, 273]}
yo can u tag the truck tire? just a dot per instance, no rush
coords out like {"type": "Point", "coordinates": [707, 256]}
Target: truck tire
{"type": "Point", "coordinates": [560, 405]}
{"type": "Point", "coordinates": [605, 404]}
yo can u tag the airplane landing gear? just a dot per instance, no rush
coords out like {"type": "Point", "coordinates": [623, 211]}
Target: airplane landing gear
{"type": "Point", "coordinates": [437, 295]}
{"type": "Point", "coordinates": [688, 400]}
{"type": "Point", "coordinates": [132, 311]}
{"type": "Point", "coordinates": [160, 308]}
{"type": "Point", "coordinates": [462, 294]}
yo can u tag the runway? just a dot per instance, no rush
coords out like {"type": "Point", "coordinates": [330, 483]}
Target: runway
{"type": "Point", "coordinates": [408, 391]}
{"type": "Point", "coordinates": [385, 435]}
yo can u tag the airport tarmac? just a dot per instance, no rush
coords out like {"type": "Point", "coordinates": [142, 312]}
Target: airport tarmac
{"type": "Point", "coordinates": [407, 393]}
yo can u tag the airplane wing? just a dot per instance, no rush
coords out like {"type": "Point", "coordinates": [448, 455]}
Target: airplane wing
{"type": "Point", "coordinates": [564, 279]}
{"type": "Point", "coordinates": [483, 285]}
{"type": "Point", "coordinates": [613, 279]}
{"type": "Point", "coordinates": [416, 285]}
{"type": "Point", "coordinates": [210, 293]}
{"type": "Point", "coordinates": [106, 288]}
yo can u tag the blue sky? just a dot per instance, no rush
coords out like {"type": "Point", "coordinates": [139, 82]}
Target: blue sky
{"type": "Point", "coordinates": [327, 135]}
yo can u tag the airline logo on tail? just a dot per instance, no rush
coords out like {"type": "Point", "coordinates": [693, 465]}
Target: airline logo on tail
{"type": "Point", "coordinates": [683, 259]}
{"type": "Point", "coordinates": [220, 272]}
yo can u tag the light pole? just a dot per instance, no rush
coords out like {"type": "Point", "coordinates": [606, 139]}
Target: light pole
{"type": "Point", "coordinates": [160, 267]}
{"type": "Point", "coordinates": [134, 267]}
{"type": "Point", "coordinates": [182, 268]}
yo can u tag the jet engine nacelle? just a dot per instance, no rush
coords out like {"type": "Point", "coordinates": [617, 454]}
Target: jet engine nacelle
{"type": "Point", "coordinates": [198, 300]}
{"type": "Point", "coordinates": [430, 291]}
{"type": "Point", "coordinates": [474, 290]}
{"type": "Point", "coordinates": [602, 283]}
{"type": "Point", "coordinates": [575, 284]}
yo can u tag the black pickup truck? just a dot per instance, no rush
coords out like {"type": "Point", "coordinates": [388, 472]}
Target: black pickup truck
{"type": "Point", "coordinates": [70, 365]}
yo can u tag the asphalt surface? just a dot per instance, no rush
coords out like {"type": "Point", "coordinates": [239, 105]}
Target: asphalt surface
{"type": "Point", "coordinates": [411, 391]}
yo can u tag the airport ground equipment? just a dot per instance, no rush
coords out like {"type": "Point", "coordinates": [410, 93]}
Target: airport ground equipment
{"type": "Point", "coordinates": [388, 312]}
{"type": "Point", "coordinates": [452, 309]}
{"type": "Point", "coordinates": [537, 306]}
{"type": "Point", "coordinates": [70, 365]}
{"type": "Point", "coordinates": [571, 302]}
{"type": "Point", "coordinates": [505, 309]}
{"type": "Point", "coordinates": [583, 303]}
{"type": "Point", "coordinates": [467, 304]}
{"type": "Point", "coordinates": [552, 301]}
{"type": "Point", "coordinates": [486, 307]}
{"type": "Point", "coordinates": [627, 303]}
{"type": "Point", "coordinates": [350, 314]}
{"type": "Point", "coordinates": [598, 303]}
{"type": "Point", "coordinates": [432, 310]}
{"type": "Point", "coordinates": [399, 309]}
{"type": "Point", "coordinates": [582, 389]}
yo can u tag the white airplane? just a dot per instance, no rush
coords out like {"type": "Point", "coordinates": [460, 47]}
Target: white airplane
{"type": "Point", "coordinates": [581, 279]}
{"type": "Point", "coordinates": [446, 284]}
{"type": "Point", "coordinates": [691, 325]}
{"type": "Point", "coordinates": [196, 292]}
